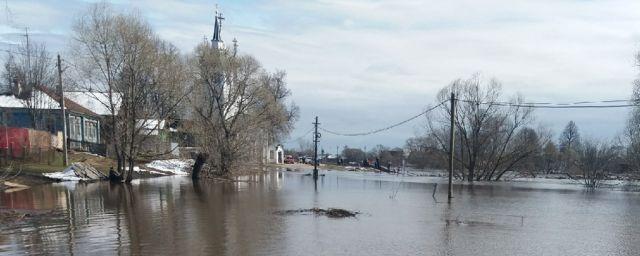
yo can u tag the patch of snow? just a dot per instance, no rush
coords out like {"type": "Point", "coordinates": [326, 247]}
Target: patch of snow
{"type": "Point", "coordinates": [9, 101]}
{"type": "Point", "coordinates": [150, 126]}
{"type": "Point", "coordinates": [175, 166]}
{"type": "Point", "coordinates": [40, 101]}
{"type": "Point", "coordinates": [66, 174]}
{"type": "Point", "coordinates": [91, 154]}
{"type": "Point", "coordinates": [140, 170]}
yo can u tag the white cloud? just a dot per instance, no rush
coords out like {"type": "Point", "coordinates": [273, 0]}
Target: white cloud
{"type": "Point", "coordinates": [362, 64]}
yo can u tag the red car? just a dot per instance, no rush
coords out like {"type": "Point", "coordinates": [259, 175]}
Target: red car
{"type": "Point", "coordinates": [289, 160]}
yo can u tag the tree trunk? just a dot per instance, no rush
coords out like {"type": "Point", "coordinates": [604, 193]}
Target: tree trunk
{"type": "Point", "coordinates": [114, 176]}
{"type": "Point", "coordinates": [130, 171]}
{"type": "Point", "coordinates": [470, 177]}
{"type": "Point", "coordinates": [201, 158]}
{"type": "Point", "coordinates": [120, 167]}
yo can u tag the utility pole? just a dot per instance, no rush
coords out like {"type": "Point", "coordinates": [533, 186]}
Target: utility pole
{"type": "Point", "coordinates": [65, 159]}
{"type": "Point", "coordinates": [451, 143]}
{"type": "Point", "coordinates": [26, 34]}
{"type": "Point", "coordinates": [316, 139]}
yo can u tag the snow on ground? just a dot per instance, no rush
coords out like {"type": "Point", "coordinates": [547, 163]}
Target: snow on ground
{"type": "Point", "coordinates": [66, 174]}
{"type": "Point", "coordinates": [91, 154]}
{"type": "Point", "coordinates": [171, 166]}
{"type": "Point", "coordinates": [157, 167]}
{"type": "Point", "coordinates": [138, 169]}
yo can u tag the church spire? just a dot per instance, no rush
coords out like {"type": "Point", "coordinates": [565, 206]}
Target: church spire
{"type": "Point", "coordinates": [216, 40]}
{"type": "Point", "coordinates": [235, 46]}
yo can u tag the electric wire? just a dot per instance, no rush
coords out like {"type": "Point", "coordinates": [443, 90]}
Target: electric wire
{"type": "Point", "coordinates": [384, 128]}
{"type": "Point", "coordinates": [300, 137]}
{"type": "Point", "coordinates": [547, 105]}
{"type": "Point", "coordinates": [575, 105]}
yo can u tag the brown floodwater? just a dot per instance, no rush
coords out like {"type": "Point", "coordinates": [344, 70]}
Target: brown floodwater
{"type": "Point", "coordinates": [399, 216]}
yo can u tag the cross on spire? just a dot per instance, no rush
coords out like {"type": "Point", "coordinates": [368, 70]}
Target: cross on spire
{"type": "Point", "coordinates": [216, 40]}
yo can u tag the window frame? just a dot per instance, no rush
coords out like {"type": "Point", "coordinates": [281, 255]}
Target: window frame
{"type": "Point", "coordinates": [75, 127]}
{"type": "Point", "coordinates": [90, 130]}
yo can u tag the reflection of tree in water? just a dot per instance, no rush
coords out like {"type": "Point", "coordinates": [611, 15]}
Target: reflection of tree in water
{"type": "Point", "coordinates": [235, 218]}
{"type": "Point", "coordinates": [57, 214]}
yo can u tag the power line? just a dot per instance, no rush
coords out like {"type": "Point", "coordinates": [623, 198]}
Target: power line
{"type": "Point", "coordinates": [573, 103]}
{"type": "Point", "coordinates": [300, 137]}
{"type": "Point", "coordinates": [385, 128]}
{"type": "Point", "coordinates": [557, 105]}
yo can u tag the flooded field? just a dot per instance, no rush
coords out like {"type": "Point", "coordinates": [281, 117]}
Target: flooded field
{"type": "Point", "coordinates": [398, 216]}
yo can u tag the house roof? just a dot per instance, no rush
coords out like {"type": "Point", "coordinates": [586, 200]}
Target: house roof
{"type": "Point", "coordinates": [97, 102]}
{"type": "Point", "coordinates": [46, 98]}
{"type": "Point", "coordinates": [69, 104]}
{"type": "Point", "coordinates": [10, 101]}
{"type": "Point", "coordinates": [39, 100]}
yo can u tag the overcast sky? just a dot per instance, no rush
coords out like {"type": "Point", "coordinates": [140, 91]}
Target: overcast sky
{"type": "Point", "coordinates": [361, 65]}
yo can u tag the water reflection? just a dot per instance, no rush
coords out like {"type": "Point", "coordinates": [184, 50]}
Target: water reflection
{"type": "Point", "coordinates": [174, 216]}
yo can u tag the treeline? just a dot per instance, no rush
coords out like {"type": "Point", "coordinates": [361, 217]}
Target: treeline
{"type": "Point", "coordinates": [493, 139]}
{"type": "Point", "coordinates": [233, 106]}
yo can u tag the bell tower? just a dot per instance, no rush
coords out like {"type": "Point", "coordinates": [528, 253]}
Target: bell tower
{"type": "Point", "coordinates": [216, 40]}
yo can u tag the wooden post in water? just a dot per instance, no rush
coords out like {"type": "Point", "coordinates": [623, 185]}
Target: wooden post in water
{"type": "Point", "coordinates": [451, 144]}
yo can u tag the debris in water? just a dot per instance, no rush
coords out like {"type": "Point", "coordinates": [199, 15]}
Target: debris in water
{"type": "Point", "coordinates": [331, 212]}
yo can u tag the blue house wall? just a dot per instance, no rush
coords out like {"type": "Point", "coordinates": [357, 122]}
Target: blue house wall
{"type": "Point", "coordinates": [51, 120]}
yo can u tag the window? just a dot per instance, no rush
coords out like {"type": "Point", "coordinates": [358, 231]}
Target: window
{"type": "Point", "coordinates": [90, 130]}
{"type": "Point", "coordinates": [75, 128]}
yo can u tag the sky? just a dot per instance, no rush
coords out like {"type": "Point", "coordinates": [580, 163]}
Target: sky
{"type": "Point", "coordinates": [361, 65]}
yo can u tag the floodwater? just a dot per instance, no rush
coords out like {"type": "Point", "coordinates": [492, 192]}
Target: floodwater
{"type": "Point", "coordinates": [399, 216]}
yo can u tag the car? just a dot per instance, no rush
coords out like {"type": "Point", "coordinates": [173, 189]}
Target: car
{"type": "Point", "coordinates": [289, 159]}
{"type": "Point", "coordinates": [308, 160]}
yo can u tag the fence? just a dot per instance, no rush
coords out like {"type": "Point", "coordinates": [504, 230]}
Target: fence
{"type": "Point", "coordinates": [28, 146]}
{"type": "Point", "coordinates": [49, 156]}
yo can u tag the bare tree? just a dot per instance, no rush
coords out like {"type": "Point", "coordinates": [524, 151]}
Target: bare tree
{"type": "Point", "coordinates": [569, 138]}
{"type": "Point", "coordinates": [631, 134]}
{"type": "Point", "coordinates": [142, 76]}
{"type": "Point", "coordinates": [305, 146]}
{"type": "Point", "coordinates": [569, 144]}
{"type": "Point", "coordinates": [425, 152]}
{"type": "Point", "coordinates": [98, 63]}
{"type": "Point", "coordinates": [236, 103]}
{"type": "Point", "coordinates": [28, 70]}
{"type": "Point", "coordinates": [593, 159]}
{"type": "Point", "coordinates": [550, 158]}
{"type": "Point", "coordinates": [353, 154]}
{"type": "Point", "coordinates": [488, 132]}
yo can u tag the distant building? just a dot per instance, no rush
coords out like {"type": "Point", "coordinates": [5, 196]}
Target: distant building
{"type": "Point", "coordinates": [275, 155]}
{"type": "Point", "coordinates": [263, 149]}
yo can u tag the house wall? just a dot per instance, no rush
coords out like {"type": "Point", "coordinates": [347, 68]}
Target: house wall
{"type": "Point", "coordinates": [45, 119]}
{"type": "Point", "coordinates": [39, 139]}
{"type": "Point", "coordinates": [48, 129]}
{"type": "Point", "coordinates": [78, 130]}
